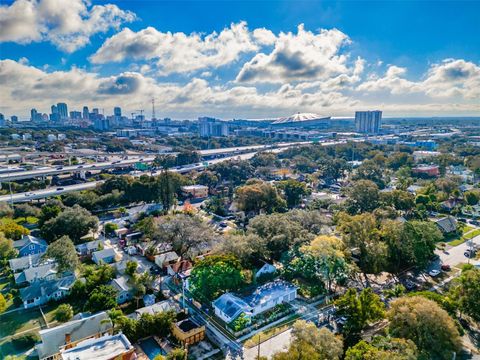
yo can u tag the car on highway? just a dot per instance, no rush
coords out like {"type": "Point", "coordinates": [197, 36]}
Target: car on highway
{"type": "Point", "coordinates": [434, 272]}
{"type": "Point", "coordinates": [80, 167]}
{"type": "Point", "coordinates": [60, 188]}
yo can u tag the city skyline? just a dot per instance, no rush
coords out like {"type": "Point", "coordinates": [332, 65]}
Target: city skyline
{"type": "Point", "coordinates": [253, 60]}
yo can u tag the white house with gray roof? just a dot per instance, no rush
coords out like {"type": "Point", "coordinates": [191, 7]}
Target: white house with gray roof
{"type": "Point", "coordinates": [229, 306]}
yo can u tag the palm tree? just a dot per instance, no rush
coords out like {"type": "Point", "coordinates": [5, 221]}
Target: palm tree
{"type": "Point", "coordinates": [115, 316]}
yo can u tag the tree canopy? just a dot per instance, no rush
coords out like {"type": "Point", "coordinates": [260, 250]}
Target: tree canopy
{"type": "Point", "coordinates": [425, 323]}
{"type": "Point", "coordinates": [215, 275]}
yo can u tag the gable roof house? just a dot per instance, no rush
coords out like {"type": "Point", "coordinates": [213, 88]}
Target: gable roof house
{"type": "Point", "coordinates": [22, 263]}
{"type": "Point", "coordinates": [124, 288]}
{"type": "Point", "coordinates": [30, 245]}
{"type": "Point", "coordinates": [105, 256]}
{"type": "Point", "coordinates": [41, 292]}
{"type": "Point", "coordinates": [265, 269]}
{"type": "Point", "coordinates": [447, 224]}
{"type": "Point", "coordinates": [165, 259]}
{"type": "Point", "coordinates": [33, 274]}
{"type": "Point", "coordinates": [88, 248]}
{"type": "Point", "coordinates": [229, 306]}
{"type": "Point", "coordinates": [67, 335]}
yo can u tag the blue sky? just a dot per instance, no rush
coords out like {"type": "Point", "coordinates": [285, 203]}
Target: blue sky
{"type": "Point", "coordinates": [405, 57]}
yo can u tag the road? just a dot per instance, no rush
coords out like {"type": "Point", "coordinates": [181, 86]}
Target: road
{"type": "Point", "coordinates": [53, 191]}
{"type": "Point", "coordinates": [455, 255]}
{"type": "Point", "coordinates": [50, 171]}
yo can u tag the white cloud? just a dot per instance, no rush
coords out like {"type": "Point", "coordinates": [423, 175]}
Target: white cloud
{"type": "Point", "coordinates": [450, 87]}
{"type": "Point", "coordinates": [179, 52]}
{"type": "Point", "coordinates": [304, 56]}
{"type": "Point", "coordinates": [448, 79]}
{"type": "Point", "coordinates": [68, 24]}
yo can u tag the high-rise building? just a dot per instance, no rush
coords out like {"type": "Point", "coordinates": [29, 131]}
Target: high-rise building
{"type": "Point", "coordinates": [100, 123]}
{"type": "Point", "coordinates": [95, 111]}
{"type": "Point", "coordinates": [212, 127]}
{"type": "Point", "coordinates": [85, 113]}
{"type": "Point", "coordinates": [62, 110]}
{"type": "Point", "coordinates": [368, 122]}
{"type": "Point", "coordinates": [33, 115]}
{"type": "Point", "coordinates": [2, 120]}
{"type": "Point", "coordinates": [77, 115]}
{"type": "Point", "coordinates": [14, 118]}
{"type": "Point", "coordinates": [117, 111]}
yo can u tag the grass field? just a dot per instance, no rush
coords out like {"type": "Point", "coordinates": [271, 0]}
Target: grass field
{"type": "Point", "coordinates": [22, 321]}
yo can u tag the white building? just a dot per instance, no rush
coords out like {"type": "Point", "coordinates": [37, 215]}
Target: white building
{"type": "Point", "coordinates": [229, 306]}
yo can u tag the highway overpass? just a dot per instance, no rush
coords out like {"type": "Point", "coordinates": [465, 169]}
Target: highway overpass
{"type": "Point", "coordinates": [58, 170]}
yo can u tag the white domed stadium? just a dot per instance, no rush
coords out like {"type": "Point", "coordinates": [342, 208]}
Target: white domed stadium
{"type": "Point", "coordinates": [301, 120]}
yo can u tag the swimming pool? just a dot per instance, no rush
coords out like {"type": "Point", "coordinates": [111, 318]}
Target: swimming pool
{"type": "Point", "coordinates": [151, 348]}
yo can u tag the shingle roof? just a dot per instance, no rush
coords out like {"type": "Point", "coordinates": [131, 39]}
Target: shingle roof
{"type": "Point", "coordinates": [54, 338]}
{"type": "Point", "coordinates": [121, 283]}
{"type": "Point", "coordinates": [24, 262]}
{"type": "Point", "coordinates": [105, 253]}
{"type": "Point", "coordinates": [166, 257]}
{"type": "Point", "coordinates": [28, 239]}
{"type": "Point", "coordinates": [43, 288]}
{"type": "Point", "coordinates": [447, 224]}
{"type": "Point", "coordinates": [33, 273]}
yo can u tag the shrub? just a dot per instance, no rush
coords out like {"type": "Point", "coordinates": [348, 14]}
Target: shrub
{"type": "Point", "coordinates": [64, 313]}
{"type": "Point", "coordinates": [25, 341]}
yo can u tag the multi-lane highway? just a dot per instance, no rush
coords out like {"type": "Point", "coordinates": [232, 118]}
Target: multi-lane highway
{"type": "Point", "coordinates": [50, 171]}
{"type": "Point", "coordinates": [53, 191]}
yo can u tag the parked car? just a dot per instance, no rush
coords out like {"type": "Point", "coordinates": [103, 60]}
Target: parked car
{"type": "Point", "coordinates": [469, 253]}
{"type": "Point", "coordinates": [410, 285]}
{"type": "Point", "coordinates": [434, 272]}
{"type": "Point", "coordinates": [446, 267]}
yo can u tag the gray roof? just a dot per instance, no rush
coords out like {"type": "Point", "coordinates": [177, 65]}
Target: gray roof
{"type": "Point", "coordinates": [45, 288]}
{"type": "Point", "coordinates": [231, 305]}
{"type": "Point", "coordinates": [27, 240]}
{"type": "Point", "coordinates": [121, 283]}
{"type": "Point", "coordinates": [104, 348]}
{"type": "Point", "coordinates": [270, 290]}
{"type": "Point", "coordinates": [35, 273]}
{"type": "Point", "coordinates": [166, 257]}
{"type": "Point", "coordinates": [91, 245]}
{"type": "Point", "coordinates": [159, 307]}
{"type": "Point", "coordinates": [21, 263]}
{"type": "Point", "coordinates": [102, 254]}
{"type": "Point", "coordinates": [447, 224]}
{"type": "Point", "coordinates": [54, 338]}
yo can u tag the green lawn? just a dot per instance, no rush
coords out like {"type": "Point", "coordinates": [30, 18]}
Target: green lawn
{"type": "Point", "coordinates": [23, 320]}
{"type": "Point", "coordinates": [467, 234]}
